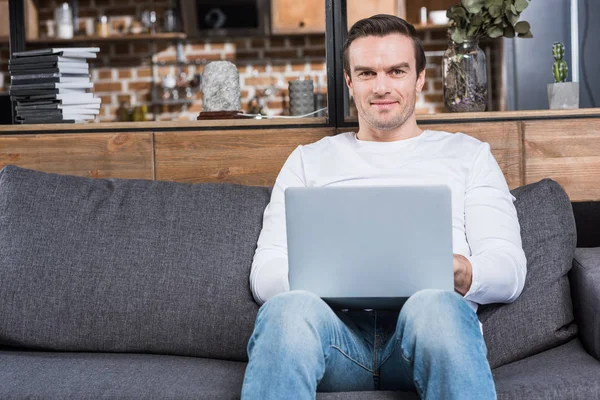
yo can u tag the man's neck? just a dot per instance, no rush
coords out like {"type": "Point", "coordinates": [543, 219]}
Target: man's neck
{"type": "Point", "coordinates": [406, 131]}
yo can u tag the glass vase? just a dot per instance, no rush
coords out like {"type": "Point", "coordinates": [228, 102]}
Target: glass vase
{"type": "Point", "coordinates": [464, 77]}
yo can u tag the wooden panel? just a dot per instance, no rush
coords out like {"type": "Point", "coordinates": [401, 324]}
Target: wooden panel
{"type": "Point", "coordinates": [297, 17]}
{"type": "Point", "coordinates": [251, 157]}
{"type": "Point", "coordinates": [108, 155]}
{"type": "Point", "coordinates": [359, 9]}
{"type": "Point", "coordinates": [566, 151]}
{"type": "Point", "coordinates": [504, 138]}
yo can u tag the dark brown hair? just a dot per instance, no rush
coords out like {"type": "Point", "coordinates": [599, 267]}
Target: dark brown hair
{"type": "Point", "coordinates": [383, 25]}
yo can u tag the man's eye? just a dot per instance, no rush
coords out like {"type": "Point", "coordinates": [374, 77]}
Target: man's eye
{"type": "Point", "coordinates": [366, 73]}
{"type": "Point", "coordinates": [397, 72]}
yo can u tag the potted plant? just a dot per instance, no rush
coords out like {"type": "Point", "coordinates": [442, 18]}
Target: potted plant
{"type": "Point", "coordinates": [464, 64]}
{"type": "Point", "coordinates": [562, 94]}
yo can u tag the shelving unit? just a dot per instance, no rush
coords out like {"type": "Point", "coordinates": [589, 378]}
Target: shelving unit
{"type": "Point", "coordinates": [177, 37]}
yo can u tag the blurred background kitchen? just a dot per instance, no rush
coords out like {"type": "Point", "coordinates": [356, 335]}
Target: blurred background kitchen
{"type": "Point", "coordinates": [153, 52]}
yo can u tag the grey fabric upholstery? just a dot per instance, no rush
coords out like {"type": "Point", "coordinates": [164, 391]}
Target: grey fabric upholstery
{"type": "Point", "coordinates": [564, 372]}
{"type": "Point", "coordinates": [585, 283]}
{"type": "Point", "coordinates": [116, 265]}
{"type": "Point", "coordinates": [542, 317]}
{"type": "Point", "coordinates": [58, 375]}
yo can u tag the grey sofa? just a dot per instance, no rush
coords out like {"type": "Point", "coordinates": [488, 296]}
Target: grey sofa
{"type": "Point", "coordinates": [139, 289]}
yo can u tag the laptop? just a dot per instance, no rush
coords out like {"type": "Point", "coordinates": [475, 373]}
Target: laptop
{"type": "Point", "coordinates": [369, 247]}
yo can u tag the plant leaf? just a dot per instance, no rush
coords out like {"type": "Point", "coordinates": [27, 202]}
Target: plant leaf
{"type": "Point", "coordinates": [495, 32]}
{"type": "Point", "coordinates": [495, 11]}
{"type": "Point", "coordinates": [522, 27]}
{"type": "Point", "coordinates": [489, 3]}
{"type": "Point", "coordinates": [509, 32]}
{"type": "Point", "coordinates": [521, 5]}
{"type": "Point", "coordinates": [527, 35]}
{"type": "Point", "coordinates": [473, 6]}
{"type": "Point", "coordinates": [458, 36]}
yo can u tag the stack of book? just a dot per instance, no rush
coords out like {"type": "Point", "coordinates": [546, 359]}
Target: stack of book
{"type": "Point", "coordinates": [53, 85]}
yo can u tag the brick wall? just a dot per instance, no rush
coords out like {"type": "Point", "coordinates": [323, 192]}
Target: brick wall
{"type": "Point", "coordinates": [124, 72]}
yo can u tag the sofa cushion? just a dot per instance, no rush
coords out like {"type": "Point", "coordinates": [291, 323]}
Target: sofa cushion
{"type": "Point", "coordinates": [116, 265]}
{"type": "Point", "coordinates": [542, 316]}
{"type": "Point", "coordinates": [57, 375]}
{"type": "Point", "coordinates": [564, 372]}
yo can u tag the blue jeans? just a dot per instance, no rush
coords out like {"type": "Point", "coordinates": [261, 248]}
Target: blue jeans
{"type": "Point", "coordinates": [433, 345]}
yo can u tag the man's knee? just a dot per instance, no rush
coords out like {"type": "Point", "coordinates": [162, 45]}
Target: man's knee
{"type": "Point", "coordinates": [434, 312]}
{"type": "Point", "coordinates": [298, 306]}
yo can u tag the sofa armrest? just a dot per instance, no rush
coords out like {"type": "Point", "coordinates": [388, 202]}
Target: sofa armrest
{"type": "Point", "coordinates": [585, 288]}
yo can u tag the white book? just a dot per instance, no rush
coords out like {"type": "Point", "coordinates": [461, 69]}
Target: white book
{"type": "Point", "coordinates": [80, 111]}
{"type": "Point", "coordinates": [74, 52]}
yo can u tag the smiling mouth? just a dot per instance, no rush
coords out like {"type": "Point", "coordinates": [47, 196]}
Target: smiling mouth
{"type": "Point", "coordinates": [383, 104]}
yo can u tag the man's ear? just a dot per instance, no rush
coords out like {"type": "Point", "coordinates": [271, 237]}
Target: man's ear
{"type": "Point", "coordinates": [421, 81]}
{"type": "Point", "coordinates": [349, 83]}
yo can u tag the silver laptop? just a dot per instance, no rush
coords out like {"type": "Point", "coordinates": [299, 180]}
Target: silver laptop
{"type": "Point", "coordinates": [369, 247]}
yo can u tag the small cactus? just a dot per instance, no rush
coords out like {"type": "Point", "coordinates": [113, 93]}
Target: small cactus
{"type": "Point", "coordinates": [560, 68]}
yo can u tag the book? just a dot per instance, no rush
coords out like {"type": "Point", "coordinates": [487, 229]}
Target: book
{"type": "Point", "coordinates": [57, 79]}
{"type": "Point", "coordinates": [58, 106]}
{"type": "Point", "coordinates": [64, 98]}
{"type": "Point", "coordinates": [50, 75]}
{"type": "Point", "coordinates": [46, 60]}
{"type": "Point", "coordinates": [56, 67]}
{"type": "Point", "coordinates": [73, 52]}
{"type": "Point", "coordinates": [25, 94]}
{"type": "Point", "coordinates": [52, 85]}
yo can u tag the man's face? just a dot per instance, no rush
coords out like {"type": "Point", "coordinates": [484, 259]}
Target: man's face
{"type": "Point", "coordinates": [384, 80]}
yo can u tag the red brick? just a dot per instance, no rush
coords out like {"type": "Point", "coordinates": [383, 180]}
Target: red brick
{"type": "Point", "coordinates": [105, 74]}
{"type": "Point", "coordinates": [260, 81]}
{"type": "Point", "coordinates": [197, 48]}
{"type": "Point", "coordinates": [124, 73]}
{"type": "Point", "coordinates": [166, 58]}
{"type": "Point", "coordinates": [298, 67]}
{"type": "Point", "coordinates": [240, 44]}
{"type": "Point", "coordinates": [107, 87]}
{"type": "Point", "coordinates": [140, 86]}
{"type": "Point", "coordinates": [434, 98]}
{"type": "Point", "coordinates": [277, 42]}
{"type": "Point", "coordinates": [274, 104]}
{"type": "Point", "coordinates": [144, 72]}
{"type": "Point", "coordinates": [441, 46]}
{"type": "Point", "coordinates": [217, 46]}
{"type": "Point", "coordinates": [279, 67]}
{"type": "Point", "coordinates": [317, 67]}
{"type": "Point", "coordinates": [105, 99]}
{"type": "Point", "coordinates": [317, 40]}
{"type": "Point", "coordinates": [247, 55]}
{"type": "Point", "coordinates": [204, 57]}
{"type": "Point", "coordinates": [314, 53]}
{"type": "Point", "coordinates": [298, 41]}
{"type": "Point", "coordinates": [281, 54]}
{"type": "Point", "coordinates": [258, 43]}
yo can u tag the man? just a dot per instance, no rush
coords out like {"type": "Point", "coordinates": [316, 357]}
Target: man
{"type": "Point", "coordinates": [434, 345]}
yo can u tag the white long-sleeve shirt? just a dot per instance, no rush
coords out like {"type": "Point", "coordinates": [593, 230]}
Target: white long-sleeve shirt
{"type": "Point", "coordinates": [485, 228]}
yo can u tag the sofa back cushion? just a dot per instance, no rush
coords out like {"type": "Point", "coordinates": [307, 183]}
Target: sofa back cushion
{"type": "Point", "coordinates": [117, 265]}
{"type": "Point", "coordinates": [542, 316]}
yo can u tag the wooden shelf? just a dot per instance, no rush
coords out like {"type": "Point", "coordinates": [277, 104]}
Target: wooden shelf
{"type": "Point", "coordinates": [113, 38]}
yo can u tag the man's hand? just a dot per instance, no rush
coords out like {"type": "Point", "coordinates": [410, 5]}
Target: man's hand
{"type": "Point", "coordinates": [463, 274]}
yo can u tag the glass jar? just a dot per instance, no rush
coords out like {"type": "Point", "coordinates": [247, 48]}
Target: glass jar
{"type": "Point", "coordinates": [464, 77]}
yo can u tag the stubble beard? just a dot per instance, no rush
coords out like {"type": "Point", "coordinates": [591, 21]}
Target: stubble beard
{"type": "Point", "coordinates": [372, 118]}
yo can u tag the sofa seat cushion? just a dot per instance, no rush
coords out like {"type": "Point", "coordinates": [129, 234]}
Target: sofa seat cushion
{"type": "Point", "coordinates": [65, 375]}
{"type": "Point", "coordinates": [564, 372]}
{"type": "Point", "coordinates": [115, 265]}
{"type": "Point", "coordinates": [542, 316]}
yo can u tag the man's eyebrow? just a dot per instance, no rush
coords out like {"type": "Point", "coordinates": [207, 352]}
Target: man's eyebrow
{"type": "Point", "coordinates": [396, 66]}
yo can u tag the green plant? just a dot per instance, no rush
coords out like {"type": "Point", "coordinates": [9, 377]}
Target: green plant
{"type": "Point", "coordinates": [560, 69]}
{"type": "Point", "coordinates": [477, 19]}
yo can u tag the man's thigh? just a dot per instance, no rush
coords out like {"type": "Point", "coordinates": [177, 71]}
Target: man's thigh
{"type": "Point", "coordinates": [349, 362]}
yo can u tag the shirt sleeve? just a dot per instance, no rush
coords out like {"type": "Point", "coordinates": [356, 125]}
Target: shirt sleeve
{"type": "Point", "coordinates": [493, 234]}
{"type": "Point", "coordinates": [269, 272]}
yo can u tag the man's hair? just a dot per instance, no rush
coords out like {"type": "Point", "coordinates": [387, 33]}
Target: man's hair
{"type": "Point", "coordinates": [383, 25]}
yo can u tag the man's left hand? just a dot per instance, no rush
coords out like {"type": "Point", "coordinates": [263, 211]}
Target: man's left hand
{"type": "Point", "coordinates": [463, 274]}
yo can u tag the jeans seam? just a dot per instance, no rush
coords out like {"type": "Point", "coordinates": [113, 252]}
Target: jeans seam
{"type": "Point", "coordinates": [350, 358]}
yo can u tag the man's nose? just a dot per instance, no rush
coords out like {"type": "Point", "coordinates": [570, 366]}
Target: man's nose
{"type": "Point", "coordinates": [381, 85]}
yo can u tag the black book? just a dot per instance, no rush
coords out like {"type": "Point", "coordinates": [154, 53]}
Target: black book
{"type": "Point", "coordinates": [49, 80]}
{"type": "Point", "coordinates": [46, 59]}
{"type": "Point", "coordinates": [54, 67]}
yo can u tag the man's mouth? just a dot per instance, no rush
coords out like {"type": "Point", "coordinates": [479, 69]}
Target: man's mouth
{"type": "Point", "coordinates": [383, 104]}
